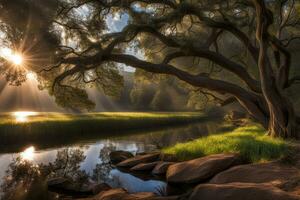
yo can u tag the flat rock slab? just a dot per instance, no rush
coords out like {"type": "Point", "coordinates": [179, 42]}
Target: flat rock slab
{"type": "Point", "coordinates": [139, 159]}
{"type": "Point", "coordinates": [121, 194]}
{"type": "Point", "coordinates": [257, 173]}
{"type": "Point", "coordinates": [240, 191]}
{"type": "Point", "coordinates": [145, 166]}
{"type": "Point", "coordinates": [119, 156]}
{"type": "Point", "coordinates": [201, 169]}
{"type": "Point", "coordinates": [117, 194]}
{"type": "Point", "coordinates": [161, 168]}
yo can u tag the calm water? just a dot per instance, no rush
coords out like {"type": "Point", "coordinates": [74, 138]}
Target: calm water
{"type": "Point", "coordinates": [21, 172]}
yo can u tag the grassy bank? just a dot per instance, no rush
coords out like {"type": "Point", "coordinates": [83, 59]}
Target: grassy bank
{"type": "Point", "coordinates": [67, 128]}
{"type": "Point", "coordinates": [251, 142]}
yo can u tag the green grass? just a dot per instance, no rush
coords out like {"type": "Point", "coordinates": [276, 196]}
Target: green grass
{"type": "Point", "coordinates": [43, 117]}
{"type": "Point", "coordinates": [251, 142]}
{"type": "Point", "coordinates": [47, 128]}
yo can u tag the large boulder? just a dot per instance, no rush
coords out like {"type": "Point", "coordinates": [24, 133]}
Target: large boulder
{"type": "Point", "coordinates": [119, 156]}
{"type": "Point", "coordinates": [274, 172]}
{"type": "Point", "coordinates": [147, 158]}
{"type": "Point", "coordinates": [201, 169]}
{"type": "Point", "coordinates": [144, 166]}
{"type": "Point", "coordinates": [238, 191]}
{"type": "Point", "coordinates": [161, 168]}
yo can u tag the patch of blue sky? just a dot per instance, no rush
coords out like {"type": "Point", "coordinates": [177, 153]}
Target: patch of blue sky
{"type": "Point", "coordinates": [116, 23]}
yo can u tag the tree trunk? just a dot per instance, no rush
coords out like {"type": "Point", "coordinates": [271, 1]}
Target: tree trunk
{"type": "Point", "coordinates": [282, 122]}
{"type": "Point", "coordinates": [282, 119]}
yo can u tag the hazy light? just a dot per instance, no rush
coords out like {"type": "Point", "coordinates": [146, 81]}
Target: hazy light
{"type": "Point", "coordinates": [28, 154]}
{"type": "Point", "coordinates": [22, 116]}
{"type": "Point", "coordinates": [17, 59]}
{"type": "Point", "coordinates": [31, 76]}
{"type": "Point", "coordinates": [12, 56]}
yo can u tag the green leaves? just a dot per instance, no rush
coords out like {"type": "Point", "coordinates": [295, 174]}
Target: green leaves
{"type": "Point", "coordinates": [109, 79]}
{"type": "Point", "coordinates": [73, 98]}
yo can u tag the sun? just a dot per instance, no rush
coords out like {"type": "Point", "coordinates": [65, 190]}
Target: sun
{"type": "Point", "coordinates": [22, 116]}
{"type": "Point", "coordinates": [17, 59]}
{"type": "Point", "coordinates": [12, 56]}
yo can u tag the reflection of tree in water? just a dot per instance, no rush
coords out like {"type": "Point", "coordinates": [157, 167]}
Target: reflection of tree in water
{"type": "Point", "coordinates": [67, 165]}
{"type": "Point", "coordinates": [101, 171]}
{"type": "Point", "coordinates": [26, 180]}
{"type": "Point", "coordinates": [171, 136]}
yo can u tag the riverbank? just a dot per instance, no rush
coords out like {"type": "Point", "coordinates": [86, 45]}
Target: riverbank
{"type": "Point", "coordinates": [271, 170]}
{"type": "Point", "coordinates": [42, 129]}
{"type": "Point", "coordinates": [250, 142]}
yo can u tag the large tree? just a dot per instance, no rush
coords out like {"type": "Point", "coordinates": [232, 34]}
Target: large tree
{"type": "Point", "coordinates": [88, 52]}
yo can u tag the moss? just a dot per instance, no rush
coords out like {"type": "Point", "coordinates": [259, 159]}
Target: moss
{"type": "Point", "coordinates": [251, 142]}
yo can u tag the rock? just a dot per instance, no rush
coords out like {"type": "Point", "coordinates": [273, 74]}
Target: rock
{"type": "Point", "coordinates": [145, 166]}
{"type": "Point", "coordinates": [201, 169]}
{"type": "Point", "coordinates": [100, 188]}
{"type": "Point", "coordinates": [121, 194]}
{"type": "Point", "coordinates": [168, 157]}
{"type": "Point", "coordinates": [274, 172]}
{"type": "Point", "coordinates": [292, 186]}
{"type": "Point", "coordinates": [238, 191]}
{"type": "Point", "coordinates": [113, 194]}
{"type": "Point", "coordinates": [139, 159]}
{"type": "Point", "coordinates": [161, 168]}
{"type": "Point", "coordinates": [65, 186]}
{"type": "Point", "coordinates": [119, 156]}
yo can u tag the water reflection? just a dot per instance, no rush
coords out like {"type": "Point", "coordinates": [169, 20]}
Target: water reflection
{"type": "Point", "coordinates": [133, 184]}
{"type": "Point", "coordinates": [28, 154]}
{"type": "Point", "coordinates": [102, 169]}
{"type": "Point", "coordinates": [88, 162]}
{"type": "Point", "coordinates": [26, 180]}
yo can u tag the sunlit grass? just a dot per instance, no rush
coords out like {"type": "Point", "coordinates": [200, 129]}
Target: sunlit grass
{"type": "Point", "coordinates": [10, 118]}
{"type": "Point", "coordinates": [251, 142]}
{"type": "Point", "coordinates": [62, 128]}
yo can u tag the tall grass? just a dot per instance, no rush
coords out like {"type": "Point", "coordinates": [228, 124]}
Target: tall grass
{"type": "Point", "coordinates": [251, 142]}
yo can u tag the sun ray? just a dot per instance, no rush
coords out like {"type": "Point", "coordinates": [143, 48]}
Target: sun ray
{"type": "Point", "coordinates": [12, 56]}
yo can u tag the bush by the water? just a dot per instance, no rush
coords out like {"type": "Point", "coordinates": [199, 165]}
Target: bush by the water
{"type": "Point", "coordinates": [251, 142]}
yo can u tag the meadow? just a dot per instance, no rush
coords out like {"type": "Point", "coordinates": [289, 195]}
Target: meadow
{"type": "Point", "coordinates": [46, 128]}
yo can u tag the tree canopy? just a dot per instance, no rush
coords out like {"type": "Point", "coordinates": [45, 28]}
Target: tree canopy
{"type": "Point", "coordinates": [226, 49]}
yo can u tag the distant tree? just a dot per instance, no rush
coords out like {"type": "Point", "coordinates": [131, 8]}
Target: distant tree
{"type": "Point", "coordinates": [262, 35]}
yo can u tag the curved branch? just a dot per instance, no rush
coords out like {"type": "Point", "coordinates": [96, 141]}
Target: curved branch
{"type": "Point", "coordinates": [196, 80]}
{"type": "Point", "coordinates": [249, 100]}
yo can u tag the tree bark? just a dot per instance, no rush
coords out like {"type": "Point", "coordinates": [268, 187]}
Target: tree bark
{"type": "Point", "coordinates": [282, 120]}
